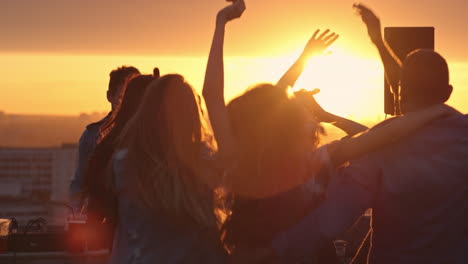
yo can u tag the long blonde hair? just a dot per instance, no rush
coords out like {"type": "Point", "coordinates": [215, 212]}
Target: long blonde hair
{"type": "Point", "coordinates": [164, 142]}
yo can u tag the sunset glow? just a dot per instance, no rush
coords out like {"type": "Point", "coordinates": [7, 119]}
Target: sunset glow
{"type": "Point", "coordinates": [54, 65]}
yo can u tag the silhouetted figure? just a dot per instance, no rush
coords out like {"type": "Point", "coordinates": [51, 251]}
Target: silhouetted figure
{"type": "Point", "coordinates": [87, 143]}
{"type": "Point", "coordinates": [267, 143]}
{"type": "Point", "coordinates": [165, 176]}
{"type": "Point", "coordinates": [417, 187]}
{"type": "Point", "coordinates": [98, 179]}
{"type": "Point", "coordinates": [156, 72]}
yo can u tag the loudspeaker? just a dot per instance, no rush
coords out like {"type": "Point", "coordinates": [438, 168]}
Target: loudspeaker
{"type": "Point", "coordinates": [404, 40]}
{"type": "Point", "coordinates": [36, 242]}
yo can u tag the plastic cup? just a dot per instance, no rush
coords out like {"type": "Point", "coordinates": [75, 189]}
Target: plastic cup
{"type": "Point", "coordinates": [4, 231]}
{"type": "Point", "coordinates": [77, 236]}
{"type": "Point", "coordinates": [340, 248]}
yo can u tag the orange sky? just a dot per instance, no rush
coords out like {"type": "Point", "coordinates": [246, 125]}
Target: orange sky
{"type": "Point", "coordinates": [184, 27]}
{"type": "Point", "coordinates": [56, 55]}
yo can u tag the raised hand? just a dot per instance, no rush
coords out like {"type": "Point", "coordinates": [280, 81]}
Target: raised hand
{"type": "Point", "coordinates": [306, 98]}
{"type": "Point", "coordinates": [317, 45]}
{"type": "Point", "coordinates": [213, 87]}
{"type": "Point", "coordinates": [372, 22]}
{"type": "Point", "coordinates": [231, 12]}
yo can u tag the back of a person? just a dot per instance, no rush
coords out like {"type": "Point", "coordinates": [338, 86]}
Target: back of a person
{"type": "Point", "coordinates": [421, 212]}
{"type": "Point", "coordinates": [142, 238]}
{"type": "Point", "coordinates": [254, 222]}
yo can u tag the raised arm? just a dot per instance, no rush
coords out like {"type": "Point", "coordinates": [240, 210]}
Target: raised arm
{"type": "Point", "coordinates": [352, 148]}
{"type": "Point", "coordinates": [391, 62]}
{"type": "Point", "coordinates": [315, 46]}
{"type": "Point", "coordinates": [350, 127]}
{"type": "Point", "coordinates": [213, 87]}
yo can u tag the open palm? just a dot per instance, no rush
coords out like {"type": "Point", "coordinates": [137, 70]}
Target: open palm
{"type": "Point", "coordinates": [319, 43]}
{"type": "Point", "coordinates": [372, 22]}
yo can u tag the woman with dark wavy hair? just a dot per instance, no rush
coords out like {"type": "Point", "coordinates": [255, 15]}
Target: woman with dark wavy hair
{"type": "Point", "coordinates": [101, 201]}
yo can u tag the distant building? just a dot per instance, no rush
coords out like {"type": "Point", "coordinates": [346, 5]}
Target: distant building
{"type": "Point", "coordinates": [35, 181]}
{"type": "Point", "coordinates": [25, 210]}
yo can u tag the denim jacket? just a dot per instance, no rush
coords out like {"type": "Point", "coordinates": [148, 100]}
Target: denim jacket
{"type": "Point", "coordinates": [141, 238]}
{"type": "Point", "coordinates": [86, 147]}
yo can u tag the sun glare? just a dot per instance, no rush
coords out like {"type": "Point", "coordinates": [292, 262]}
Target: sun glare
{"type": "Point", "coordinates": [349, 85]}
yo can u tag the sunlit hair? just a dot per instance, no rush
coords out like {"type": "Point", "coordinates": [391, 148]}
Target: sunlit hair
{"type": "Point", "coordinates": [165, 140]}
{"type": "Point", "coordinates": [97, 181]}
{"type": "Point", "coordinates": [268, 125]}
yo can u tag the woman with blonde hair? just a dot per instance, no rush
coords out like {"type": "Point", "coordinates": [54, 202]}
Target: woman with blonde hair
{"type": "Point", "coordinates": [165, 181]}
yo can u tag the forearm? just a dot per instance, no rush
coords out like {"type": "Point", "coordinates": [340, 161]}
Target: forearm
{"type": "Point", "coordinates": [77, 188]}
{"type": "Point", "coordinates": [77, 193]}
{"type": "Point", "coordinates": [350, 127]}
{"type": "Point", "coordinates": [354, 147]}
{"type": "Point", "coordinates": [293, 73]}
{"type": "Point", "coordinates": [213, 87]}
{"type": "Point", "coordinates": [213, 93]}
{"type": "Point", "coordinates": [392, 64]}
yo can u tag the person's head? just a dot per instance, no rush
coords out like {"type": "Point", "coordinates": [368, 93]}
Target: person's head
{"type": "Point", "coordinates": [424, 80]}
{"type": "Point", "coordinates": [156, 72]}
{"type": "Point", "coordinates": [118, 78]}
{"type": "Point", "coordinates": [133, 93]}
{"type": "Point", "coordinates": [271, 129]}
{"type": "Point", "coordinates": [164, 141]}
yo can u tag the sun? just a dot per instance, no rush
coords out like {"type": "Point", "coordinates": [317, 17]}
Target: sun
{"type": "Point", "coordinates": [349, 85]}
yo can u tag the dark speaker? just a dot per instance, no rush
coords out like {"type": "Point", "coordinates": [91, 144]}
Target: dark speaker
{"type": "Point", "coordinates": [36, 242]}
{"type": "Point", "coordinates": [404, 40]}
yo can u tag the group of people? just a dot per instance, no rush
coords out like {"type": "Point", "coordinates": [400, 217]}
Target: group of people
{"type": "Point", "coordinates": [249, 183]}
